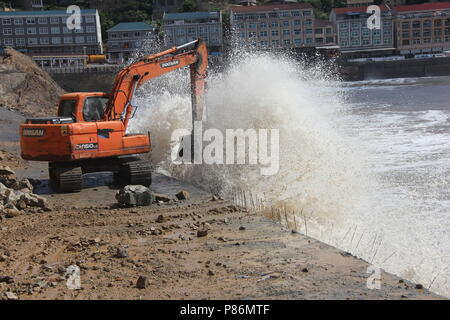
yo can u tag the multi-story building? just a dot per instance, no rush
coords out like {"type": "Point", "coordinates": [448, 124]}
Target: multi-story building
{"type": "Point", "coordinates": [165, 6]}
{"type": "Point", "coordinates": [33, 4]}
{"type": "Point", "coordinates": [274, 26]}
{"type": "Point", "coordinates": [324, 33]}
{"type": "Point", "coordinates": [354, 37]}
{"type": "Point", "coordinates": [48, 33]}
{"type": "Point", "coordinates": [127, 37]}
{"type": "Point", "coordinates": [184, 27]}
{"type": "Point", "coordinates": [423, 28]}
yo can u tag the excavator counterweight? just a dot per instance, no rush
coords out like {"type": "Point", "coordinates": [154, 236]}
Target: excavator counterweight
{"type": "Point", "coordinates": [89, 134]}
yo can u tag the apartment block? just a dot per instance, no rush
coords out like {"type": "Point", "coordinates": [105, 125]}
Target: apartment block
{"type": "Point", "coordinates": [423, 28]}
{"type": "Point", "coordinates": [354, 37]}
{"type": "Point", "coordinates": [273, 26]}
{"type": "Point", "coordinates": [184, 27]}
{"type": "Point", "coordinates": [127, 37]}
{"type": "Point", "coordinates": [48, 33]}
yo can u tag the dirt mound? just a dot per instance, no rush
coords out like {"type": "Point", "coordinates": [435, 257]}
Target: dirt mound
{"type": "Point", "coordinates": [26, 88]}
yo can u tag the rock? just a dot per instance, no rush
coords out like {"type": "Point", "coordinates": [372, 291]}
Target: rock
{"type": "Point", "coordinates": [211, 273]}
{"type": "Point", "coordinates": [121, 253]}
{"type": "Point", "coordinates": [419, 286]}
{"type": "Point", "coordinates": [202, 233]}
{"type": "Point", "coordinates": [11, 213]}
{"type": "Point", "coordinates": [182, 195]}
{"type": "Point", "coordinates": [11, 296]}
{"type": "Point", "coordinates": [2, 156]}
{"type": "Point", "coordinates": [160, 219]}
{"type": "Point", "coordinates": [6, 171]}
{"type": "Point", "coordinates": [6, 279]}
{"type": "Point", "coordinates": [242, 228]}
{"type": "Point", "coordinates": [305, 270]}
{"type": "Point", "coordinates": [214, 198]}
{"type": "Point", "coordinates": [142, 282]}
{"type": "Point", "coordinates": [33, 200]}
{"type": "Point", "coordinates": [25, 185]}
{"type": "Point", "coordinates": [135, 196]}
{"type": "Point", "coordinates": [162, 197]}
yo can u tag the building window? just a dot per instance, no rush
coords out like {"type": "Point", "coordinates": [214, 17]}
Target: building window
{"type": "Point", "coordinates": [252, 25]}
{"type": "Point", "coordinates": [90, 19]}
{"type": "Point", "coordinates": [276, 43]}
{"type": "Point", "coordinates": [366, 42]}
{"type": "Point", "coordinates": [308, 22]}
{"type": "Point", "coordinates": [55, 30]}
{"type": "Point", "coordinates": [43, 30]}
{"type": "Point", "coordinates": [91, 39]}
{"type": "Point", "coordinates": [309, 40]}
{"type": "Point", "coordinates": [92, 29]}
{"type": "Point", "coordinates": [307, 13]}
{"type": "Point", "coordinates": [263, 25]}
{"type": "Point", "coordinates": [18, 21]}
{"type": "Point", "coordinates": [31, 21]}
{"type": "Point", "coordinates": [355, 25]}
{"type": "Point", "coordinates": [286, 24]}
{"type": "Point", "coordinates": [80, 30]}
{"type": "Point", "coordinates": [274, 33]}
{"type": "Point", "coordinates": [19, 31]}
{"type": "Point", "coordinates": [286, 32]}
{"type": "Point", "coordinates": [68, 40]}
{"type": "Point", "coordinates": [31, 30]}
{"type": "Point", "coordinates": [437, 32]}
{"type": "Point", "coordinates": [405, 42]}
{"type": "Point", "coordinates": [405, 34]}
{"type": "Point", "coordinates": [416, 24]}
{"type": "Point", "coordinates": [20, 42]}
{"type": "Point", "coordinates": [263, 33]}
{"type": "Point", "coordinates": [427, 33]}
{"type": "Point", "coordinates": [297, 32]}
{"type": "Point", "coordinates": [6, 22]}
{"type": "Point", "coordinates": [7, 31]}
{"type": "Point", "coordinates": [387, 40]}
{"type": "Point", "coordinates": [32, 41]}
{"type": "Point", "coordinates": [355, 42]}
{"type": "Point", "coordinates": [437, 22]}
{"type": "Point", "coordinates": [66, 30]}
{"type": "Point", "coordinates": [8, 42]}
{"type": "Point", "coordinates": [344, 43]}
{"type": "Point", "coordinates": [56, 40]}
{"type": "Point", "coordinates": [274, 24]}
{"type": "Point", "coordinates": [287, 42]}
{"type": "Point", "coordinates": [427, 24]}
{"type": "Point", "coordinates": [405, 25]}
{"type": "Point", "coordinates": [427, 40]}
{"type": "Point", "coordinates": [79, 39]}
{"type": "Point", "coordinates": [44, 40]}
{"type": "Point", "coordinates": [376, 41]}
{"type": "Point", "coordinates": [416, 41]}
{"type": "Point", "coordinates": [54, 20]}
{"type": "Point", "coordinates": [296, 13]}
{"type": "Point", "coordinates": [42, 20]}
{"type": "Point", "coordinates": [298, 42]}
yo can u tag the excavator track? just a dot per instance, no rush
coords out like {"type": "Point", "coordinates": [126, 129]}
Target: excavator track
{"type": "Point", "coordinates": [66, 178]}
{"type": "Point", "coordinates": [135, 172]}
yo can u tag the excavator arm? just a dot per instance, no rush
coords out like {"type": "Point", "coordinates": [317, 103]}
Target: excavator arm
{"type": "Point", "coordinates": [135, 75]}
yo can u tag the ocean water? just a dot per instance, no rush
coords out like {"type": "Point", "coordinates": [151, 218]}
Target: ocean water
{"type": "Point", "coordinates": [365, 165]}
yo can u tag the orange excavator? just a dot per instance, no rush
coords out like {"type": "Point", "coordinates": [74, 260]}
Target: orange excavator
{"type": "Point", "coordinates": [90, 132]}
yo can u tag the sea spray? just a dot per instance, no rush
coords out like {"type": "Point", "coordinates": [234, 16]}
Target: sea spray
{"type": "Point", "coordinates": [326, 178]}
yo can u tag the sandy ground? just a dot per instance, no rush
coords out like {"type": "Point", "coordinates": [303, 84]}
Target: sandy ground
{"type": "Point", "coordinates": [245, 255]}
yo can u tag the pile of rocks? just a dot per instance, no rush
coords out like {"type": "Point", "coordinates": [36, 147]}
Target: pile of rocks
{"type": "Point", "coordinates": [17, 195]}
{"type": "Point", "coordinates": [138, 196]}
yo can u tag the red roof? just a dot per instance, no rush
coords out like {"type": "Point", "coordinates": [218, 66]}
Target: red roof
{"type": "Point", "coordinates": [424, 7]}
{"type": "Point", "coordinates": [356, 9]}
{"type": "Point", "coordinates": [271, 7]}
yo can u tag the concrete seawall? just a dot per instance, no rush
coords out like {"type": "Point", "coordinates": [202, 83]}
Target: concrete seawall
{"type": "Point", "coordinates": [395, 69]}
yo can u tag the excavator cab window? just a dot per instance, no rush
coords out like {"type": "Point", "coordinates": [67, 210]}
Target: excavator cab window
{"type": "Point", "coordinates": [94, 108]}
{"type": "Point", "coordinates": [67, 108]}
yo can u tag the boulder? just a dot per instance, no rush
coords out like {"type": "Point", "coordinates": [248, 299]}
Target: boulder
{"type": "Point", "coordinates": [33, 200]}
{"type": "Point", "coordinates": [161, 197]}
{"type": "Point", "coordinates": [135, 196]}
{"type": "Point", "coordinates": [142, 282]}
{"type": "Point", "coordinates": [6, 171]}
{"type": "Point", "coordinates": [182, 195]}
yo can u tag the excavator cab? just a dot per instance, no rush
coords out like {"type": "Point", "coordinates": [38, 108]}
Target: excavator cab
{"type": "Point", "coordinates": [83, 107]}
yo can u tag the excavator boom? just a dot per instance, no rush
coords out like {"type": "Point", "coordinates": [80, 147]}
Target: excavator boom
{"type": "Point", "coordinates": [120, 105]}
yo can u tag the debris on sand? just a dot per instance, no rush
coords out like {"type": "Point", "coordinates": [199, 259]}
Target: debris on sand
{"type": "Point", "coordinates": [142, 282]}
{"type": "Point", "coordinates": [182, 195]}
{"type": "Point", "coordinates": [17, 195]}
{"type": "Point", "coordinates": [135, 196]}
